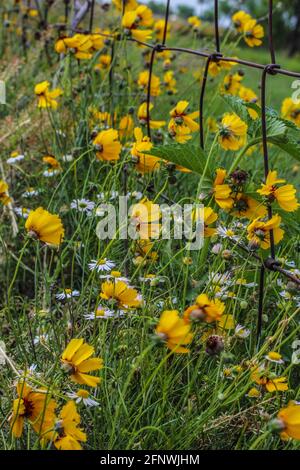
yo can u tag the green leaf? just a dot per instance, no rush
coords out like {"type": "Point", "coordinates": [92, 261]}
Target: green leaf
{"type": "Point", "coordinates": [189, 156]}
{"type": "Point", "coordinates": [288, 144]}
{"type": "Point", "coordinates": [275, 127]}
{"type": "Point", "coordinates": [238, 106]}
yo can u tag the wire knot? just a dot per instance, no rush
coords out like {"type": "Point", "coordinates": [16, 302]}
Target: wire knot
{"type": "Point", "coordinates": [272, 68]}
{"type": "Point", "coordinates": [159, 47]}
{"type": "Point", "coordinates": [215, 56]}
{"type": "Point", "coordinates": [272, 264]}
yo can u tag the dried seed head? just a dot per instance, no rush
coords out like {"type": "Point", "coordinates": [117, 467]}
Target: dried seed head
{"type": "Point", "coordinates": [214, 345]}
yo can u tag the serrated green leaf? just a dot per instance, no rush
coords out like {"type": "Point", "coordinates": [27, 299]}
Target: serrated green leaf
{"type": "Point", "coordinates": [238, 106]}
{"type": "Point", "coordinates": [275, 127]}
{"type": "Point", "coordinates": [288, 144]}
{"type": "Point", "coordinates": [189, 156]}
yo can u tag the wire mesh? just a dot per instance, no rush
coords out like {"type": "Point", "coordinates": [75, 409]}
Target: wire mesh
{"type": "Point", "coordinates": [270, 69]}
{"type": "Point", "coordinates": [267, 70]}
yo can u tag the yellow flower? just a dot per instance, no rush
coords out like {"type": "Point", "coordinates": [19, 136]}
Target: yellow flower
{"type": "Point", "coordinates": [35, 406]}
{"type": "Point", "coordinates": [259, 231]}
{"type": "Point", "coordinates": [126, 126]}
{"type": "Point", "coordinates": [76, 360]}
{"type": "Point", "coordinates": [240, 18]}
{"type": "Point", "coordinates": [129, 4]}
{"type": "Point", "coordinates": [80, 44]}
{"type": "Point", "coordinates": [180, 117]}
{"type": "Point", "coordinates": [290, 418]}
{"type": "Point", "coordinates": [143, 83]}
{"type": "Point", "coordinates": [107, 146]}
{"type": "Point", "coordinates": [98, 40]}
{"type": "Point", "coordinates": [194, 21]}
{"type": "Point", "coordinates": [102, 118]}
{"type": "Point", "coordinates": [248, 95]}
{"type": "Point", "coordinates": [144, 252]}
{"type": "Point", "coordinates": [159, 27]}
{"type": "Point", "coordinates": [232, 84]}
{"type": "Point", "coordinates": [52, 161]}
{"type": "Point", "coordinates": [145, 217]}
{"type": "Point", "coordinates": [174, 331]}
{"type": "Point", "coordinates": [142, 117]}
{"type": "Point", "coordinates": [103, 62]}
{"type": "Point", "coordinates": [226, 322]}
{"type": "Point", "coordinates": [216, 67]}
{"type": "Point", "coordinates": [145, 163]}
{"type": "Point", "coordinates": [204, 309]}
{"type": "Point", "coordinates": [130, 22]}
{"type": "Point", "coordinates": [46, 98]}
{"type": "Point", "coordinates": [209, 217]}
{"type": "Point", "coordinates": [253, 33]}
{"type": "Point", "coordinates": [233, 132]}
{"type": "Point", "coordinates": [212, 125]}
{"type": "Point", "coordinates": [276, 384]}
{"type": "Point", "coordinates": [290, 110]}
{"type": "Point", "coordinates": [170, 82]}
{"type": "Point", "coordinates": [44, 226]}
{"type": "Point", "coordinates": [69, 435]}
{"type": "Point", "coordinates": [144, 16]}
{"type": "Point", "coordinates": [119, 291]}
{"type": "Point", "coordinates": [246, 206]}
{"type": "Point", "coordinates": [4, 197]}
{"type": "Point", "coordinates": [179, 133]}
{"type": "Point", "coordinates": [222, 192]}
{"type": "Point", "coordinates": [284, 195]}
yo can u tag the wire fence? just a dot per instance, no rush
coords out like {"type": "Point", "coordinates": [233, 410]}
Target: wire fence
{"type": "Point", "coordinates": [271, 69]}
{"type": "Point", "coordinates": [267, 70]}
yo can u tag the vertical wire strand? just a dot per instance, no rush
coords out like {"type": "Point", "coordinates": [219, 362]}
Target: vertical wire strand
{"type": "Point", "coordinates": [149, 90]}
{"type": "Point", "coordinates": [271, 39]}
{"type": "Point", "coordinates": [201, 104]}
{"type": "Point", "coordinates": [92, 16]}
{"type": "Point", "coordinates": [217, 32]}
{"type": "Point", "coordinates": [265, 146]}
{"type": "Point", "coordinates": [166, 22]}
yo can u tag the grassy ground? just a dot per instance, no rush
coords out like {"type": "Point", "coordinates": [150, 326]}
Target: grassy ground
{"type": "Point", "coordinates": [149, 397]}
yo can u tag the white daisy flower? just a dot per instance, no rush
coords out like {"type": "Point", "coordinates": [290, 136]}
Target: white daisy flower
{"type": "Point", "coordinates": [286, 295]}
{"type": "Point", "coordinates": [244, 283]}
{"type": "Point", "coordinates": [67, 158]}
{"type": "Point", "coordinates": [224, 232]}
{"type": "Point", "coordinates": [101, 265]}
{"type": "Point", "coordinates": [41, 339]}
{"type": "Point", "coordinates": [273, 356]}
{"type": "Point", "coordinates": [99, 212]}
{"type": "Point", "coordinates": [115, 275]}
{"type": "Point", "coordinates": [67, 294]}
{"type": "Point", "coordinates": [220, 278]}
{"type": "Point", "coordinates": [22, 212]}
{"type": "Point", "coordinates": [102, 313]}
{"type": "Point", "coordinates": [82, 396]}
{"type": "Point", "coordinates": [83, 205]}
{"type": "Point", "coordinates": [30, 192]}
{"type": "Point", "coordinates": [13, 160]}
{"type": "Point", "coordinates": [152, 279]}
{"type": "Point", "coordinates": [241, 332]}
{"type": "Point", "coordinates": [50, 173]}
{"type": "Point", "coordinates": [136, 195]}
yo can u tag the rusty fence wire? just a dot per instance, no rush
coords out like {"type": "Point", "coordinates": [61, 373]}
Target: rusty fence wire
{"type": "Point", "coordinates": [271, 69]}
{"type": "Point", "coordinates": [267, 71]}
